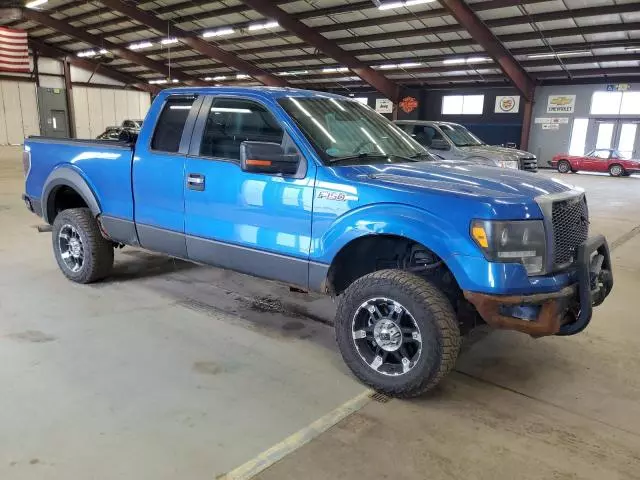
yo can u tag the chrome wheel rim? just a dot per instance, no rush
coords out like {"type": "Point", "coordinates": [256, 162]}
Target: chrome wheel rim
{"type": "Point", "coordinates": [564, 167]}
{"type": "Point", "coordinates": [71, 248]}
{"type": "Point", "coordinates": [386, 336]}
{"type": "Point", "coordinates": [616, 170]}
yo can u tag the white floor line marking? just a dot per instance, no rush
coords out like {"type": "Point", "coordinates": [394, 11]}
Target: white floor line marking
{"type": "Point", "coordinates": [297, 440]}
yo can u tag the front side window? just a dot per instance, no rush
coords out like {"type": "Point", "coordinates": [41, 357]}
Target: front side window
{"type": "Point", "coordinates": [233, 121]}
{"type": "Point", "coordinates": [460, 136]}
{"type": "Point", "coordinates": [603, 154]}
{"type": "Point", "coordinates": [345, 130]}
{"type": "Point", "coordinates": [168, 132]}
{"type": "Point", "coordinates": [425, 134]}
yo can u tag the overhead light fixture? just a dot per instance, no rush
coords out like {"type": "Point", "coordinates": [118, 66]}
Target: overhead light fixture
{"type": "Point", "coordinates": [160, 81]}
{"type": "Point", "coordinates": [140, 45]}
{"type": "Point", "coordinates": [460, 61]}
{"type": "Point", "coordinates": [220, 77]}
{"type": "Point", "coordinates": [392, 66]}
{"type": "Point", "coordinates": [300, 72]}
{"type": "Point", "coordinates": [87, 53]}
{"type": "Point", "coordinates": [335, 70]}
{"type": "Point", "coordinates": [218, 33]}
{"type": "Point", "coordinates": [558, 54]}
{"type": "Point", "coordinates": [103, 51]}
{"type": "Point", "coordinates": [262, 26]}
{"type": "Point", "coordinates": [241, 76]}
{"type": "Point", "coordinates": [168, 41]}
{"type": "Point", "coordinates": [35, 3]}
{"type": "Point", "coordinates": [175, 80]}
{"type": "Point", "coordinates": [401, 3]}
{"type": "Point", "coordinates": [632, 49]}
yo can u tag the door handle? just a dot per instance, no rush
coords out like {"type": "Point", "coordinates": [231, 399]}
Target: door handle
{"type": "Point", "coordinates": [195, 181]}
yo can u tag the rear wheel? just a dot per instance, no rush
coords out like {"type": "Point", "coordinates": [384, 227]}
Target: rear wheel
{"type": "Point", "coordinates": [82, 253]}
{"type": "Point", "coordinates": [397, 332]}
{"type": "Point", "coordinates": [564, 166]}
{"type": "Point", "coordinates": [616, 170]}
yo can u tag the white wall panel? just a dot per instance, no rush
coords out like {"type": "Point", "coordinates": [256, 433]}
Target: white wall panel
{"type": "Point", "coordinates": [29, 109]}
{"type": "Point", "coordinates": [121, 105]}
{"type": "Point", "coordinates": [108, 108]}
{"type": "Point", "coordinates": [81, 110]}
{"type": "Point", "coordinates": [133, 105]}
{"type": "Point", "coordinates": [94, 100]}
{"type": "Point", "coordinates": [145, 101]}
{"type": "Point", "coordinates": [11, 96]}
{"type": "Point", "coordinates": [3, 120]}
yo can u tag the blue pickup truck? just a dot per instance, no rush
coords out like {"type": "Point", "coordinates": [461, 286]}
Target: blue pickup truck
{"type": "Point", "coordinates": [320, 192]}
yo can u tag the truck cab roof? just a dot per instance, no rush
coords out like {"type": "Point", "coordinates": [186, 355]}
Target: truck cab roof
{"type": "Point", "coordinates": [266, 92]}
{"type": "Point", "coordinates": [424, 122]}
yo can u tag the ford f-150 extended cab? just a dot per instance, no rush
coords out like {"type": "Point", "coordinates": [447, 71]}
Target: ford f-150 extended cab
{"type": "Point", "coordinates": [322, 193]}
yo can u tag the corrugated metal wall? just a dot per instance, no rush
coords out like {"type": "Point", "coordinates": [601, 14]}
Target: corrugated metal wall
{"type": "Point", "coordinates": [18, 112]}
{"type": "Point", "coordinates": [98, 108]}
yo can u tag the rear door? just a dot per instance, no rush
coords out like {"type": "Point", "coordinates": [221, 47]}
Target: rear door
{"type": "Point", "coordinates": [158, 174]}
{"type": "Point", "coordinates": [254, 223]}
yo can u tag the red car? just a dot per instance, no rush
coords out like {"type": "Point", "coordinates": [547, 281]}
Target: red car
{"type": "Point", "coordinates": [599, 160]}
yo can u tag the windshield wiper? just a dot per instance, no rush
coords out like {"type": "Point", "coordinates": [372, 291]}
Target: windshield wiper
{"type": "Point", "coordinates": [357, 157]}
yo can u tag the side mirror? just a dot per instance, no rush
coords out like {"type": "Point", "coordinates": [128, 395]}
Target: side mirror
{"type": "Point", "coordinates": [127, 136]}
{"type": "Point", "coordinates": [438, 144]}
{"type": "Point", "coordinates": [267, 157]}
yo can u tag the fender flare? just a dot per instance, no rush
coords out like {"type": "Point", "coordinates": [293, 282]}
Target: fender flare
{"type": "Point", "coordinates": [67, 177]}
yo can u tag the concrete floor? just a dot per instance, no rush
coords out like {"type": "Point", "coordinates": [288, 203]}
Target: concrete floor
{"type": "Point", "coordinates": [170, 370]}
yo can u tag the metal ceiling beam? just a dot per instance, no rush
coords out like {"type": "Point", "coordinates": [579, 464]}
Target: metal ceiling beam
{"type": "Point", "coordinates": [309, 35]}
{"type": "Point", "coordinates": [117, 50]}
{"type": "Point", "coordinates": [53, 52]}
{"type": "Point", "coordinates": [197, 44]}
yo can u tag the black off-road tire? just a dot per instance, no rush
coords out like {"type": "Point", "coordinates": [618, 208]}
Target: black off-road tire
{"type": "Point", "coordinates": [98, 251]}
{"type": "Point", "coordinates": [433, 314]}
{"type": "Point", "coordinates": [564, 166]}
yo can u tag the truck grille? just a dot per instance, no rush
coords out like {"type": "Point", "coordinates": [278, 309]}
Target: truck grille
{"type": "Point", "coordinates": [570, 220]}
{"type": "Point", "coordinates": [530, 164]}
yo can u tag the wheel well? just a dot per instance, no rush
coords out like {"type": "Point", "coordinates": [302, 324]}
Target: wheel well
{"type": "Point", "coordinates": [378, 252]}
{"type": "Point", "coordinates": [63, 198]}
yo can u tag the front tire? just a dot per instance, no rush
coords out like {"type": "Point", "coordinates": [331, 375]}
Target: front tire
{"type": "Point", "coordinates": [82, 253]}
{"type": "Point", "coordinates": [397, 332]}
{"type": "Point", "coordinates": [564, 166]}
{"type": "Point", "coordinates": [616, 170]}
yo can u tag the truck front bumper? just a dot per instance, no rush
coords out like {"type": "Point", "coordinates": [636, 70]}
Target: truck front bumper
{"type": "Point", "coordinates": [565, 312]}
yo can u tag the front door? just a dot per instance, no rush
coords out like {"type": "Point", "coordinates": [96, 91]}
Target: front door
{"type": "Point", "coordinates": [253, 223]}
{"type": "Point", "coordinates": [596, 161]}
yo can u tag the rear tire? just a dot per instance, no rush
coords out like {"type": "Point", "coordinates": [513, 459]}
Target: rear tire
{"type": "Point", "coordinates": [425, 350]}
{"type": "Point", "coordinates": [564, 166]}
{"type": "Point", "coordinates": [616, 170]}
{"type": "Point", "coordinates": [82, 253]}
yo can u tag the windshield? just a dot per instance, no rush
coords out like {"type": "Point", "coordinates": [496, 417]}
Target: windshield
{"type": "Point", "coordinates": [345, 130]}
{"type": "Point", "coordinates": [460, 136]}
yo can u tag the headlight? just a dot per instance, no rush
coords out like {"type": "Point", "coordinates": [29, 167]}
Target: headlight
{"type": "Point", "coordinates": [521, 241]}
{"type": "Point", "coordinates": [508, 164]}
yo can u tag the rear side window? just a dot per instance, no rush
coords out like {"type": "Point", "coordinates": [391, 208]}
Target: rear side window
{"type": "Point", "coordinates": [166, 137]}
{"type": "Point", "coordinates": [425, 135]}
{"type": "Point", "coordinates": [231, 122]}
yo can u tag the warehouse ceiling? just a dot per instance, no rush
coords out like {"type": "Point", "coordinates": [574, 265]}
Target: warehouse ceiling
{"type": "Point", "coordinates": [351, 44]}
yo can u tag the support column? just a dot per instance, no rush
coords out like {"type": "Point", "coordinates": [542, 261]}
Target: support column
{"type": "Point", "coordinates": [526, 125]}
{"type": "Point", "coordinates": [68, 85]}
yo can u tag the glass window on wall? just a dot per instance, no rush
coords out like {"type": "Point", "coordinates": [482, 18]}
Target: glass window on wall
{"type": "Point", "coordinates": [578, 136]}
{"type": "Point", "coordinates": [615, 103]}
{"type": "Point", "coordinates": [462, 104]}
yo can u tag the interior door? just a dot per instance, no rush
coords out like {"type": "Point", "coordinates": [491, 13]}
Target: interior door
{"type": "Point", "coordinates": [254, 223]}
{"type": "Point", "coordinates": [627, 140]}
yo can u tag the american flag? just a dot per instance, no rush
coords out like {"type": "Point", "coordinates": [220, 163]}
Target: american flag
{"type": "Point", "coordinates": [14, 50]}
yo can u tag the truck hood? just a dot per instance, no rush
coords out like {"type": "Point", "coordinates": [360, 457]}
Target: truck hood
{"type": "Point", "coordinates": [496, 153]}
{"type": "Point", "coordinates": [464, 179]}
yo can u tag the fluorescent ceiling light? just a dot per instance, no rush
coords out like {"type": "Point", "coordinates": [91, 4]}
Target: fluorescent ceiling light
{"type": "Point", "coordinates": [140, 45]}
{"type": "Point", "coordinates": [207, 79]}
{"type": "Point", "coordinates": [402, 3]}
{"type": "Point", "coordinates": [558, 54]}
{"type": "Point", "coordinates": [241, 76]}
{"type": "Point", "coordinates": [262, 26]}
{"type": "Point", "coordinates": [220, 77]}
{"type": "Point", "coordinates": [632, 49]}
{"type": "Point", "coordinates": [103, 51]}
{"type": "Point", "coordinates": [36, 3]}
{"type": "Point", "coordinates": [175, 80]}
{"type": "Point", "coordinates": [168, 41]}
{"type": "Point", "coordinates": [87, 53]}
{"type": "Point", "coordinates": [460, 61]}
{"type": "Point", "coordinates": [218, 33]}
{"type": "Point", "coordinates": [160, 81]}
{"type": "Point", "coordinates": [300, 72]}
{"type": "Point", "coordinates": [399, 65]}
{"type": "Point", "coordinates": [335, 70]}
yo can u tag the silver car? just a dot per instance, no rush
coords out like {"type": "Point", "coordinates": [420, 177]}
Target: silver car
{"type": "Point", "coordinates": [453, 141]}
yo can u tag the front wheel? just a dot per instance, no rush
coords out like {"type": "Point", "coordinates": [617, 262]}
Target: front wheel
{"type": "Point", "coordinates": [397, 332]}
{"type": "Point", "coordinates": [82, 253]}
{"type": "Point", "coordinates": [616, 170]}
{"type": "Point", "coordinates": [564, 166]}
